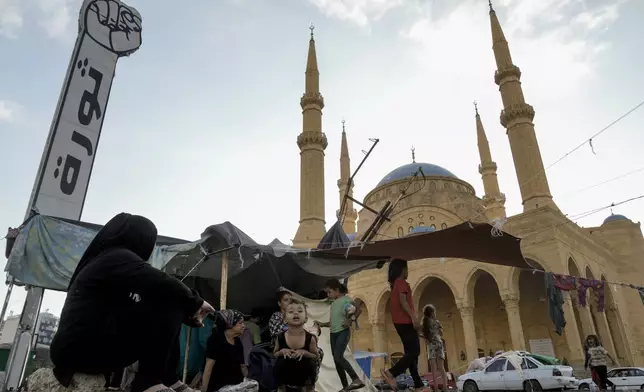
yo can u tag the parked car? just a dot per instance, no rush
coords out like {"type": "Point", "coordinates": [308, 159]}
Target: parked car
{"type": "Point", "coordinates": [624, 378]}
{"type": "Point", "coordinates": [500, 374]}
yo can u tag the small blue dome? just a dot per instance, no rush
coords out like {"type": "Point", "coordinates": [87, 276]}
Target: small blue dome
{"type": "Point", "coordinates": [422, 229]}
{"type": "Point", "coordinates": [614, 217]}
{"type": "Point", "coordinates": [408, 170]}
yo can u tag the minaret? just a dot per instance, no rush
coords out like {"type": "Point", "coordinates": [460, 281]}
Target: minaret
{"type": "Point", "coordinates": [517, 117]}
{"type": "Point", "coordinates": [493, 199]}
{"type": "Point", "coordinates": [350, 214]}
{"type": "Point", "coordinates": [312, 143]}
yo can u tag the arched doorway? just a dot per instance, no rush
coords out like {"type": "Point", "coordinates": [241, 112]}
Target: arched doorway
{"type": "Point", "coordinates": [436, 292]}
{"type": "Point", "coordinates": [614, 324]}
{"type": "Point", "coordinates": [538, 330]}
{"type": "Point", "coordinates": [490, 318]}
{"type": "Point", "coordinates": [573, 270]}
{"type": "Point", "coordinates": [362, 338]}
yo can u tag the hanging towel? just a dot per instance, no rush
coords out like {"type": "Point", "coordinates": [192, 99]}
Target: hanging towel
{"type": "Point", "coordinates": [555, 303]}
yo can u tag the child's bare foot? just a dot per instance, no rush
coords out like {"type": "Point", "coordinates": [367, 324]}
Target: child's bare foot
{"type": "Point", "coordinates": [181, 387]}
{"type": "Point", "coordinates": [389, 379]}
{"type": "Point", "coordinates": [159, 388]}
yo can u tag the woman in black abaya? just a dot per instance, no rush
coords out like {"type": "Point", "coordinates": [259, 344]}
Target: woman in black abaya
{"type": "Point", "coordinates": [120, 310]}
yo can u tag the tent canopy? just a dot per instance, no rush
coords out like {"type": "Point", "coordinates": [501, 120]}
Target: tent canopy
{"type": "Point", "coordinates": [48, 249]}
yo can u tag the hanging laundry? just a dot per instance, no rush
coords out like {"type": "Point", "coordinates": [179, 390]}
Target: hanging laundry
{"type": "Point", "coordinates": [598, 288]}
{"type": "Point", "coordinates": [565, 282]}
{"type": "Point", "coordinates": [555, 303]}
{"type": "Point", "coordinates": [581, 285]}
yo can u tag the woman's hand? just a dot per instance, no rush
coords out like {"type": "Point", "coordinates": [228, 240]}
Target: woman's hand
{"type": "Point", "coordinates": [202, 312]}
{"type": "Point", "coordinates": [416, 323]}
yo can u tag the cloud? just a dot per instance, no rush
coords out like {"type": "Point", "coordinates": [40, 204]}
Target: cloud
{"type": "Point", "coordinates": [8, 110]}
{"type": "Point", "coordinates": [56, 18]}
{"type": "Point", "coordinates": [360, 12]}
{"type": "Point", "coordinates": [10, 18]}
{"type": "Point", "coordinates": [559, 53]}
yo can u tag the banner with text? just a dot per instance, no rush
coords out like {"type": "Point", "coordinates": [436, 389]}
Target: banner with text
{"type": "Point", "coordinates": [108, 29]}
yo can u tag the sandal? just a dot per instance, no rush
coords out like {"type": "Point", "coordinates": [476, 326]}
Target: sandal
{"type": "Point", "coordinates": [389, 380]}
{"type": "Point", "coordinates": [183, 388]}
{"type": "Point", "coordinates": [355, 384]}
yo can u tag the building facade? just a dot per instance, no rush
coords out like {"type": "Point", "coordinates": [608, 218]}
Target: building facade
{"type": "Point", "coordinates": [47, 327]}
{"type": "Point", "coordinates": [484, 308]}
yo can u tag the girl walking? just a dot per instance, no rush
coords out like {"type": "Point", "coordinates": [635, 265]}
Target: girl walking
{"type": "Point", "coordinates": [296, 351]}
{"type": "Point", "coordinates": [598, 360]}
{"type": "Point", "coordinates": [433, 332]}
{"type": "Point", "coordinates": [406, 323]}
{"type": "Point", "coordinates": [344, 310]}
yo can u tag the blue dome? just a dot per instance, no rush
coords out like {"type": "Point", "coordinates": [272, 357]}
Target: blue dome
{"type": "Point", "coordinates": [408, 170]}
{"type": "Point", "coordinates": [422, 229]}
{"type": "Point", "coordinates": [613, 218]}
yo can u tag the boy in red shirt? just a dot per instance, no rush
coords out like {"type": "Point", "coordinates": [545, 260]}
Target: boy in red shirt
{"type": "Point", "coordinates": [406, 323]}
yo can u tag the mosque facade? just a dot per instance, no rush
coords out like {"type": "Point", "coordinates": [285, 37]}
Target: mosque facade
{"type": "Point", "coordinates": [483, 308]}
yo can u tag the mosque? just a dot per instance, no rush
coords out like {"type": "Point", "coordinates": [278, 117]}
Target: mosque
{"type": "Point", "coordinates": [483, 308]}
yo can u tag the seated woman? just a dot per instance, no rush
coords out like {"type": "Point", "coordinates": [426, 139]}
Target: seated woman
{"type": "Point", "coordinates": [225, 368]}
{"type": "Point", "coordinates": [120, 310]}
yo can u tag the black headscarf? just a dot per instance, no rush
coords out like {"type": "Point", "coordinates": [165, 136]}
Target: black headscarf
{"type": "Point", "coordinates": [133, 232]}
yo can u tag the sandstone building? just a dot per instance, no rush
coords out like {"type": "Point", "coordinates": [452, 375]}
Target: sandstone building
{"type": "Point", "coordinates": [482, 307]}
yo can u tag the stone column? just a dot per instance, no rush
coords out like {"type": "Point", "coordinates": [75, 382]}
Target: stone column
{"type": "Point", "coordinates": [467, 316]}
{"type": "Point", "coordinates": [572, 332]}
{"type": "Point", "coordinates": [604, 333]}
{"type": "Point", "coordinates": [586, 319]}
{"type": "Point", "coordinates": [511, 303]}
{"type": "Point", "coordinates": [379, 332]}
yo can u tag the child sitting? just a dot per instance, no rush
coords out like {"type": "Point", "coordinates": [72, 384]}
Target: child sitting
{"type": "Point", "coordinates": [296, 351]}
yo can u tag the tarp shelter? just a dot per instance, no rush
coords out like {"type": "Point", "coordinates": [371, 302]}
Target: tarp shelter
{"type": "Point", "coordinates": [48, 249]}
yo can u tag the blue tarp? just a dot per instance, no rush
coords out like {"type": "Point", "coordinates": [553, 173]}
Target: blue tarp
{"type": "Point", "coordinates": [47, 250]}
{"type": "Point", "coordinates": [198, 342]}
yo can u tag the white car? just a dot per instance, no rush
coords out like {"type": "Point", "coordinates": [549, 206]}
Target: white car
{"type": "Point", "coordinates": [624, 378]}
{"type": "Point", "coordinates": [500, 374]}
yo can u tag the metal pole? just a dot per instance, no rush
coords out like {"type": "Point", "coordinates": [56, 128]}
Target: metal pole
{"type": "Point", "coordinates": [223, 292]}
{"type": "Point", "coordinates": [6, 302]}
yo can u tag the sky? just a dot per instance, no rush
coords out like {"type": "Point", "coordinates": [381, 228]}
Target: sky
{"type": "Point", "coordinates": [202, 121]}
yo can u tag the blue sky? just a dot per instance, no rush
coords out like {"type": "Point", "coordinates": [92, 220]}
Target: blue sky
{"type": "Point", "coordinates": [202, 120]}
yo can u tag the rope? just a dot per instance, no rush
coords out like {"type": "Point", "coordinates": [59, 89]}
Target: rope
{"type": "Point", "coordinates": [589, 141]}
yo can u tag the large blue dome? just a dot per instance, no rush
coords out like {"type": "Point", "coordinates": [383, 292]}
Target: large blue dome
{"type": "Point", "coordinates": [615, 217]}
{"type": "Point", "coordinates": [408, 170]}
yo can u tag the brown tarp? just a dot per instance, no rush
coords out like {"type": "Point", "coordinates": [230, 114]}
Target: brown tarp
{"type": "Point", "coordinates": [472, 241]}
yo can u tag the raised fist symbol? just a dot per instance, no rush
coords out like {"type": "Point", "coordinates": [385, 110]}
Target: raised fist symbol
{"type": "Point", "coordinates": [113, 25]}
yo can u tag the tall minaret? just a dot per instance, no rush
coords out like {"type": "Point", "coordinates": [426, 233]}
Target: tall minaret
{"type": "Point", "coordinates": [493, 199]}
{"type": "Point", "coordinates": [312, 143]}
{"type": "Point", "coordinates": [350, 214]}
{"type": "Point", "coordinates": [517, 117]}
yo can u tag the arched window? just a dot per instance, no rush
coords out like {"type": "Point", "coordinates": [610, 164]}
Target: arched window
{"type": "Point", "coordinates": [410, 229]}
{"type": "Point", "coordinates": [421, 224]}
{"type": "Point", "coordinates": [443, 226]}
{"type": "Point", "coordinates": [401, 232]}
{"type": "Point", "coordinates": [433, 226]}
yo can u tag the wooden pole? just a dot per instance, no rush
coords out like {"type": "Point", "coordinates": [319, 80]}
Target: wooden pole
{"type": "Point", "coordinates": [224, 281]}
{"type": "Point", "coordinates": [186, 355]}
